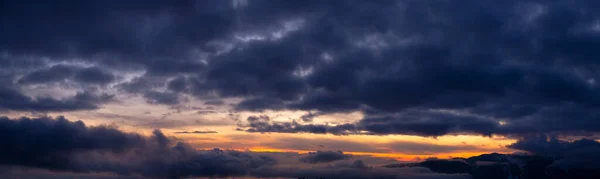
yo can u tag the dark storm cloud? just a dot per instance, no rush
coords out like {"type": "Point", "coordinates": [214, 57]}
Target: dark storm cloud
{"type": "Point", "coordinates": [58, 145]}
{"type": "Point", "coordinates": [324, 156]}
{"type": "Point", "coordinates": [12, 99]}
{"type": "Point", "coordinates": [94, 75]}
{"type": "Point", "coordinates": [573, 159]}
{"type": "Point", "coordinates": [58, 73]}
{"type": "Point", "coordinates": [356, 170]}
{"type": "Point", "coordinates": [61, 145]}
{"type": "Point", "coordinates": [264, 124]}
{"type": "Point", "coordinates": [177, 85]}
{"type": "Point", "coordinates": [423, 123]}
{"type": "Point", "coordinates": [52, 74]}
{"type": "Point", "coordinates": [47, 142]}
{"type": "Point", "coordinates": [146, 86]}
{"type": "Point", "coordinates": [136, 85]}
{"type": "Point", "coordinates": [124, 28]}
{"type": "Point", "coordinates": [428, 124]}
{"type": "Point", "coordinates": [167, 98]}
{"type": "Point", "coordinates": [479, 62]}
{"type": "Point", "coordinates": [554, 147]}
{"type": "Point", "coordinates": [426, 149]}
{"type": "Point", "coordinates": [260, 104]}
{"type": "Point", "coordinates": [384, 58]}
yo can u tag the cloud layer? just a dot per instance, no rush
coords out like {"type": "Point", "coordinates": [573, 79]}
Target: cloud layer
{"type": "Point", "coordinates": [59, 145]}
{"type": "Point", "coordinates": [497, 68]}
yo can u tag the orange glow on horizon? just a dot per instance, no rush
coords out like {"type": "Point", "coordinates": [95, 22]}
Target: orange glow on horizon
{"type": "Point", "coordinates": [396, 156]}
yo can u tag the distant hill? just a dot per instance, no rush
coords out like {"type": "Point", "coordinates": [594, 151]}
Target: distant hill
{"type": "Point", "coordinates": [501, 166]}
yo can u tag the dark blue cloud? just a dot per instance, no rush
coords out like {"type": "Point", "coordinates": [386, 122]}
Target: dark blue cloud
{"type": "Point", "coordinates": [94, 75]}
{"type": "Point", "coordinates": [324, 156]}
{"type": "Point", "coordinates": [162, 98]}
{"type": "Point", "coordinates": [52, 74]}
{"type": "Point", "coordinates": [60, 145]}
{"type": "Point", "coordinates": [12, 99]}
{"type": "Point", "coordinates": [522, 63]}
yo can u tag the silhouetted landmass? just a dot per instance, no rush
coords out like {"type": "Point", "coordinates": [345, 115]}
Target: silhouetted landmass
{"type": "Point", "coordinates": [501, 166]}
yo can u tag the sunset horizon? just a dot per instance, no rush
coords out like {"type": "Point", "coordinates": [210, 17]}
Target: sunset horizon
{"type": "Point", "coordinates": [348, 89]}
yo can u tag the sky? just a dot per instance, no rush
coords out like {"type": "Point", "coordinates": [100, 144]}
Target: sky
{"type": "Point", "coordinates": [258, 82]}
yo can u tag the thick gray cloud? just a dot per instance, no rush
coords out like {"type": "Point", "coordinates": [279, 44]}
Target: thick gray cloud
{"type": "Point", "coordinates": [356, 170]}
{"type": "Point", "coordinates": [52, 74]}
{"type": "Point", "coordinates": [12, 99]}
{"type": "Point", "coordinates": [574, 159]}
{"type": "Point", "coordinates": [94, 75]}
{"type": "Point", "coordinates": [162, 97]}
{"type": "Point", "coordinates": [522, 64]}
{"type": "Point", "coordinates": [60, 73]}
{"type": "Point", "coordinates": [59, 145]}
{"type": "Point", "coordinates": [554, 147]}
{"type": "Point", "coordinates": [421, 148]}
{"type": "Point", "coordinates": [324, 156]}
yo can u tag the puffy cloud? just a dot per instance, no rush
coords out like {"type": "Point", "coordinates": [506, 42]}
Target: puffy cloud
{"type": "Point", "coordinates": [61, 145]}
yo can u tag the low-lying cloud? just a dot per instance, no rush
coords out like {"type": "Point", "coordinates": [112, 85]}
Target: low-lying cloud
{"type": "Point", "coordinates": [324, 156]}
{"type": "Point", "coordinates": [59, 145]}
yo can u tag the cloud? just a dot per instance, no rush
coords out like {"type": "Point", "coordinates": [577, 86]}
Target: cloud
{"type": "Point", "coordinates": [59, 145]}
{"type": "Point", "coordinates": [431, 70]}
{"type": "Point", "coordinates": [494, 165]}
{"type": "Point", "coordinates": [324, 156]}
{"type": "Point", "coordinates": [423, 123]}
{"type": "Point", "coordinates": [357, 169]}
{"type": "Point", "coordinates": [166, 98]}
{"type": "Point", "coordinates": [52, 74]}
{"type": "Point", "coordinates": [215, 102]}
{"type": "Point", "coordinates": [336, 144]}
{"type": "Point", "coordinates": [196, 132]}
{"type": "Point", "coordinates": [423, 148]}
{"type": "Point", "coordinates": [60, 73]}
{"type": "Point", "coordinates": [574, 159]}
{"type": "Point", "coordinates": [94, 75]}
{"type": "Point", "coordinates": [386, 59]}
{"type": "Point", "coordinates": [264, 124]}
{"type": "Point", "coordinates": [86, 100]}
{"type": "Point", "coordinates": [308, 117]}
{"type": "Point", "coordinates": [325, 144]}
{"type": "Point", "coordinates": [552, 146]}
